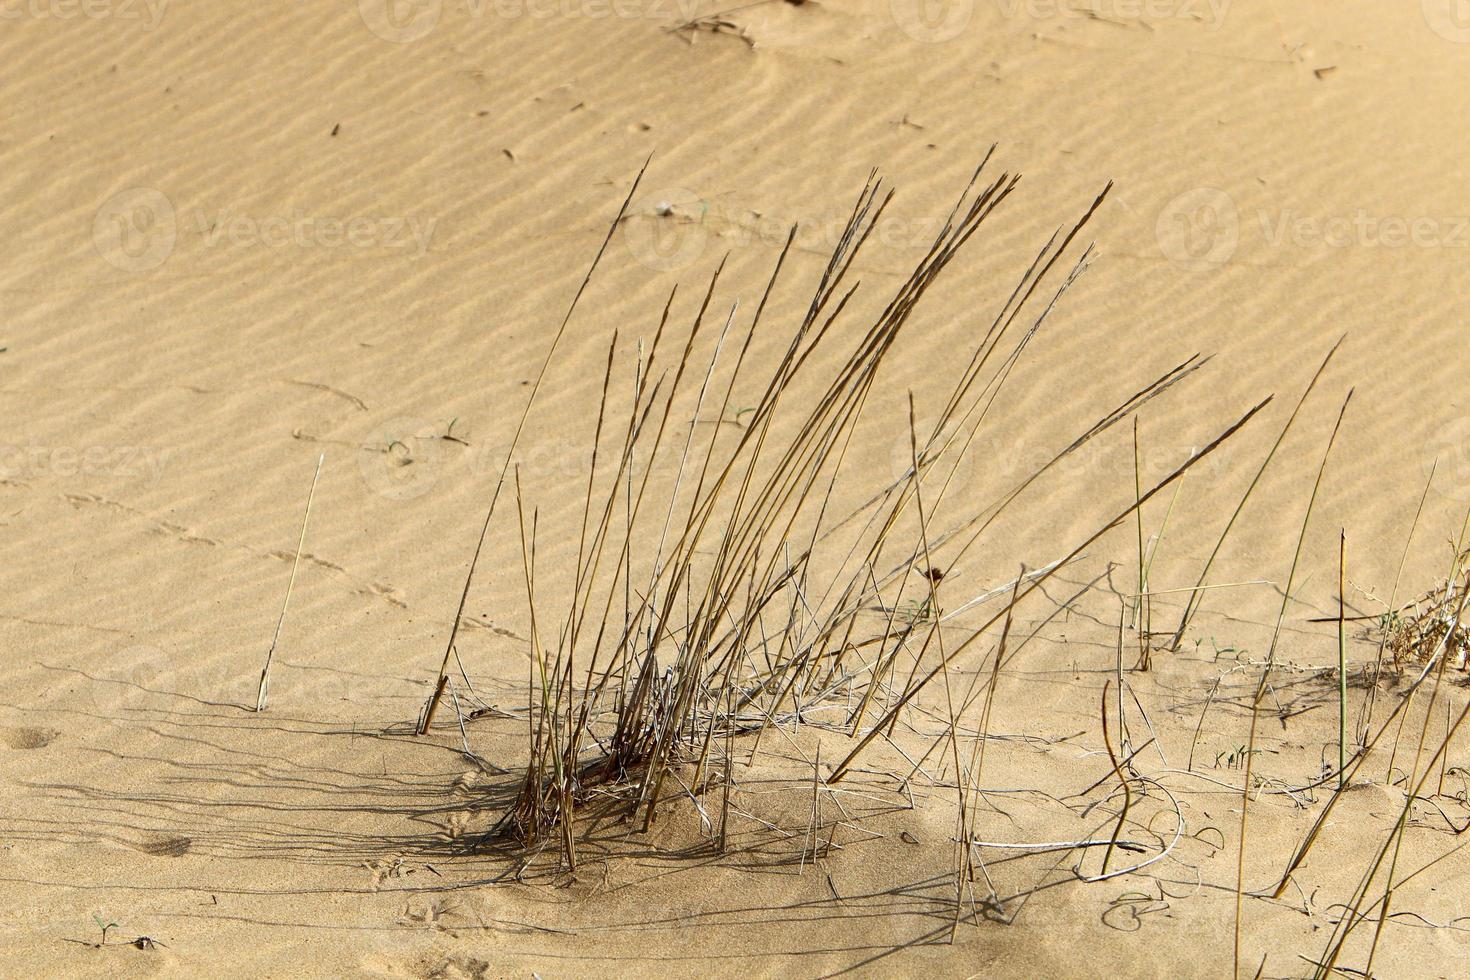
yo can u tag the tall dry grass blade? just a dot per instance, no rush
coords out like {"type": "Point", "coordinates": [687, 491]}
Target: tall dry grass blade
{"type": "Point", "coordinates": [429, 709]}
{"type": "Point", "coordinates": [262, 692]}
{"type": "Point", "coordinates": [1367, 716]}
{"type": "Point", "coordinates": [1341, 657]}
{"type": "Point", "coordinates": [1250, 749]}
{"type": "Point", "coordinates": [1138, 614]}
{"type": "Point", "coordinates": [1191, 608]}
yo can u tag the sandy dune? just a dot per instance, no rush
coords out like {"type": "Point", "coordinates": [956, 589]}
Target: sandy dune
{"type": "Point", "coordinates": [241, 236]}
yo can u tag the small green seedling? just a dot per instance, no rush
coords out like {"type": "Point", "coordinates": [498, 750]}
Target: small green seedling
{"type": "Point", "coordinates": [104, 925]}
{"type": "Point", "coordinates": [1234, 758]}
{"type": "Point", "coordinates": [915, 612]}
{"type": "Point", "coordinates": [449, 435]}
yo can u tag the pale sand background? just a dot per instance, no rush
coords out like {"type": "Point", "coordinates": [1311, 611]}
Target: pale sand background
{"type": "Point", "coordinates": [166, 397]}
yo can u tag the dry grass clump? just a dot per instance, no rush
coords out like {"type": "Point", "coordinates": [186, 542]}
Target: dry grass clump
{"type": "Point", "coordinates": [727, 584]}
{"type": "Point", "coordinates": [717, 592]}
{"type": "Point", "coordinates": [1430, 639]}
{"type": "Point", "coordinates": [1415, 633]}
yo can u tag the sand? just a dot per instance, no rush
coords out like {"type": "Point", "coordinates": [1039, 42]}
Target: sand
{"type": "Point", "coordinates": [241, 236]}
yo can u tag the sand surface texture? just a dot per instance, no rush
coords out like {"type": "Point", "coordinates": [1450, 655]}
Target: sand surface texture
{"type": "Point", "coordinates": [244, 235]}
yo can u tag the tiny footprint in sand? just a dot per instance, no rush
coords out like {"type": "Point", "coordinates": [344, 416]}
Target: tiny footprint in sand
{"type": "Point", "coordinates": [166, 845]}
{"type": "Point", "coordinates": [456, 824]}
{"type": "Point", "coordinates": [28, 738]}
